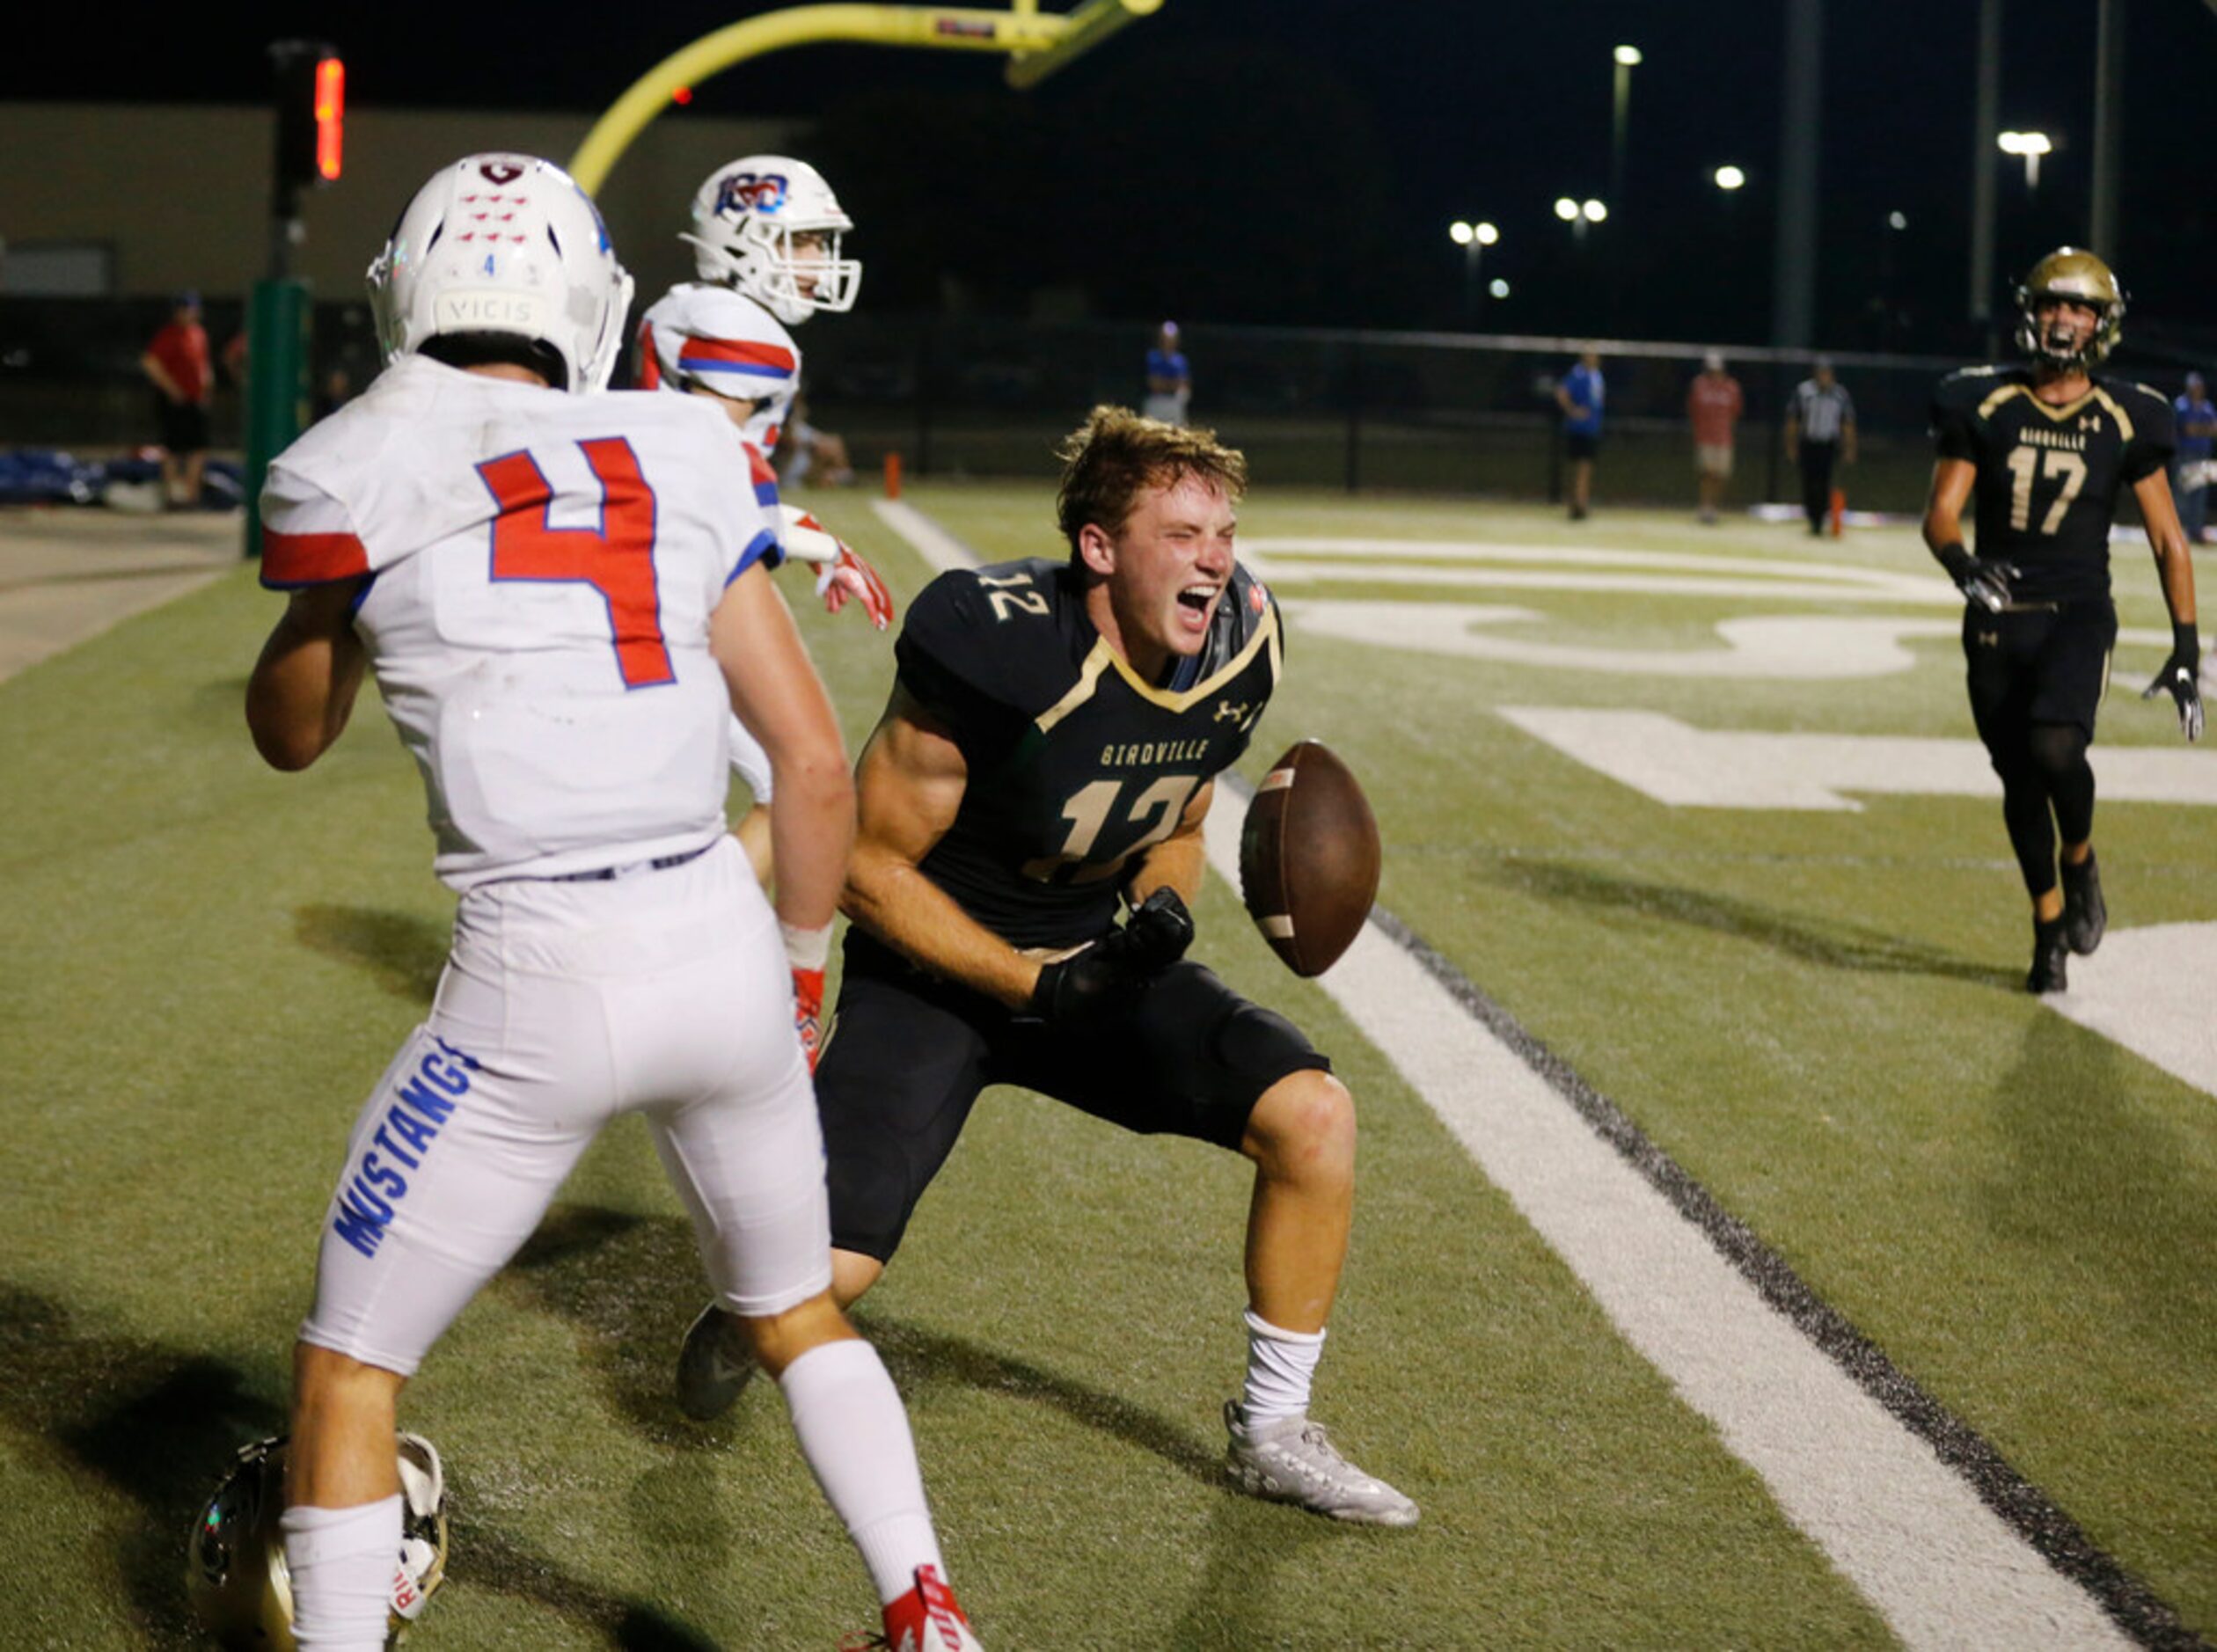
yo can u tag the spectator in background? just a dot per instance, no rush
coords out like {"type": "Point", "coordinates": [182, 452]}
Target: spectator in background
{"type": "Point", "coordinates": [1820, 432]}
{"type": "Point", "coordinates": [176, 364]}
{"type": "Point", "coordinates": [1169, 381]}
{"type": "Point", "coordinates": [1580, 393]}
{"type": "Point", "coordinates": [1713, 405]}
{"type": "Point", "coordinates": [2190, 464]}
{"type": "Point", "coordinates": [807, 447]}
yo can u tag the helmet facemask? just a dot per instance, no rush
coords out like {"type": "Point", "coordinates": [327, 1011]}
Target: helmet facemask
{"type": "Point", "coordinates": [235, 1577]}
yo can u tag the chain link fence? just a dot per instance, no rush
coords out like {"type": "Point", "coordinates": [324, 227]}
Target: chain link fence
{"type": "Point", "coordinates": [1445, 414]}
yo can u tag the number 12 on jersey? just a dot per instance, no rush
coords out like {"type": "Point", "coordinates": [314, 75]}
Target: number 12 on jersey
{"type": "Point", "coordinates": [1161, 805]}
{"type": "Point", "coordinates": [616, 559]}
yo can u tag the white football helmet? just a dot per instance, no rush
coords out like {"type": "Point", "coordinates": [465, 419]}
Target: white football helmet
{"type": "Point", "coordinates": [235, 1572]}
{"type": "Point", "coordinates": [508, 244]}
{"type": "Point", "coordinates": [745, 220]}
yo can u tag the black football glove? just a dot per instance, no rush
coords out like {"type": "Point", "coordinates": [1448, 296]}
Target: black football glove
{"type": "Point", "coordinates": [1987, 583]}
{"type": "Point", "coordinates": [1089, 988]}
{"type": "Point", "coordinates": [2177, 679]}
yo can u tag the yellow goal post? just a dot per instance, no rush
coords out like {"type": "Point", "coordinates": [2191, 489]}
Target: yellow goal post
{"type": "Point", "coordinates": [1038, 43]}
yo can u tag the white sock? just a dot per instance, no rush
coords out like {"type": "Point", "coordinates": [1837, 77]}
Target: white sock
{"type": "Point", "coordinates": [1281, 1366]}
{"type": "Point", "coordinates": [855, 1434]}
{"type": "Point", "coordinates": [342, 1562]}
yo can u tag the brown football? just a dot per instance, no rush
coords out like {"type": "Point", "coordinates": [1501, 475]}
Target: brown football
{"type": "Point", "coordinates": [1309, 858]}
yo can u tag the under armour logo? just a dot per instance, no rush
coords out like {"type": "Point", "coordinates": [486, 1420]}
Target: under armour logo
{"type": "Point", "coordinates": [1990, 639]}
{"type": "Point", "coordinates": [1228, 713]}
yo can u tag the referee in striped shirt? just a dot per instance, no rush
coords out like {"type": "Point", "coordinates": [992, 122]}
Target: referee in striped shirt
{"type": "Point", "coordinates": [1820, 431]}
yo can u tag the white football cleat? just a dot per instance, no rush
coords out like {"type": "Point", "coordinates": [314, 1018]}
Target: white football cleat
{"type": "Point", "coordinates": [1292, 1460]}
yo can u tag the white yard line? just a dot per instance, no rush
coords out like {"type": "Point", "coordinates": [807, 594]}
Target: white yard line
{"type": "Point", "coordinates": [1909, 1532]}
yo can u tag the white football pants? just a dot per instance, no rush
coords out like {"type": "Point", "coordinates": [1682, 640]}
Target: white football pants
{"type": "Point", "coordinates": [563, 1006]}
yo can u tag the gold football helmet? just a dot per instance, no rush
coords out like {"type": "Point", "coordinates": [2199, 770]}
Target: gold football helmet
{"type": "Point", "coordinates": [2070, 273]}
{"type": "Point", "coordinates": [235, 1571]}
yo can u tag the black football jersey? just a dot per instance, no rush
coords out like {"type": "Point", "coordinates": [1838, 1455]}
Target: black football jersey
{"type": "Point", "coordinates": [1075, 766]}
{"type": "Point", "coordinates": [2049, 475]}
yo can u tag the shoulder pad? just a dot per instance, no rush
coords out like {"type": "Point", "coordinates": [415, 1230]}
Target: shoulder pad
{"type": "Point", "coordinates": [1002, 636]}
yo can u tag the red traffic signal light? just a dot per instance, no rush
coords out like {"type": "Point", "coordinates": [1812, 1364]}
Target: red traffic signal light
{"type": "Point", "coordinates": [311, 108]}
{"type": "Point", "coordinates": [330, 116]}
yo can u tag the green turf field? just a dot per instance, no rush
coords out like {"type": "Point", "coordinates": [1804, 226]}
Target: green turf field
{"type": "Point", "coordinates": [204, 965]}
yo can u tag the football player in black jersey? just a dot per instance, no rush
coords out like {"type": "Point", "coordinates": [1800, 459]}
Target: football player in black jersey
{"type": "Point", "coordinates": [2046, 447]}
{"type": "Point", "coordinates": [1047, 757]}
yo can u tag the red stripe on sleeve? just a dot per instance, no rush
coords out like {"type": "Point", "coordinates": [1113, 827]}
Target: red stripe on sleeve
{"type": "Point", "coordinates": [310, 559]}
{"type": "Point", "coordinates": [741, 350]}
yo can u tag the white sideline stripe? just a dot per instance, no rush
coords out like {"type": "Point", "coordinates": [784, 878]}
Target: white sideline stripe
{"type": "Point", "coordinates": [1909, 1532]}
{"type": "Point", "coordinates": [1906, 1530]}
{"type": "Point", "coordinates": [925, 537]}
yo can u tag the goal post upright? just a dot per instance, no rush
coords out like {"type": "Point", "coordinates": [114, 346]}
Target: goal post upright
{"type": "Point", "coordinates": [1037, 43]}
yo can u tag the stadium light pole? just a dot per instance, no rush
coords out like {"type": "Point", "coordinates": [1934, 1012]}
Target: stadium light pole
{"type": "Point", "coordinates": [1474, 239]}
{"type": "Point", "coordinates": [1987, 124]}
{"type": "Point", "coordinates": [1626, 59]}
{"type": "Point", "coordinates": [2028, 145]}
{"type": "Point", "coordinates": [1580, 216]}
{"type": "Point", "coordinates": [1889, 264]}
{"type": "Point", "coordinates": [2109, 114]}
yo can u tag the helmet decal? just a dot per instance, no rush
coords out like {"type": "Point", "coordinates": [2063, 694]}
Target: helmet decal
{"type": "Point", "coordinates": [555, 279]}
{"type": "Point", "coordinates": [769, 226]}
{"type": "Point", "coordinates": [752, 191]}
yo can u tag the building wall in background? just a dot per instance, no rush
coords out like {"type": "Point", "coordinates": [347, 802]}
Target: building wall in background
{"type": "Point", "coordinates": [180, 193]}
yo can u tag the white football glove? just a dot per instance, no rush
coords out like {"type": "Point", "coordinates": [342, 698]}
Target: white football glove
{"type": "Point", "coordinates": [840, 572]}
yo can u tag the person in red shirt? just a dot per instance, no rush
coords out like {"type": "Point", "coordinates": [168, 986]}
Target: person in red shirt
{"type": "Point", "coordinates": [1713, 404]}
{"type": "Point", "coordinates": [176, 364]}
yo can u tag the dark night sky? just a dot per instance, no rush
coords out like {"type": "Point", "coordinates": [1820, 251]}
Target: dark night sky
{"type": "Point", "coordinates": [1299, 161]}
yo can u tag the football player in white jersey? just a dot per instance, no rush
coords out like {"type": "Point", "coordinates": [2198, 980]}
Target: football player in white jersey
{"type": "Point", "coordinates": [766, 235]}
{"type": "Point", "coordinates": [562, 600]}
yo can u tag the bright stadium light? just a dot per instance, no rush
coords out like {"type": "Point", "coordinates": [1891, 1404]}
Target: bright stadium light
{"type": "Point", "coordinates": [1566, 209]}
{"type": "Point", "coordinates": [1730, 177]}
{"type": "Point", "coordinates": [1627, 56]}
{"type": "Point", "coordinates": [1896, 221]}
{"type": "Point", "coordinates": [1593, 212]}
{"type": "Point", "coordinates": [2031, 146]}
{"type": "Point", "coordinates": [1474, 239]}
{"type": "Point", "coordinates": [1498, 288]}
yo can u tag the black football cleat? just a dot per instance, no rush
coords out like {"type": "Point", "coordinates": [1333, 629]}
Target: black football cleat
{"type": "Point", "coordinates": [2085, 915]}
{"type": "Point", "coordinates": [2051, 958]}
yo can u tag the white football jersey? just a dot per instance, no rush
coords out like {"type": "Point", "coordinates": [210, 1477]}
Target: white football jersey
{"type": "Point", "coordinates": [542, 569]}
{"type": "Point", "coordinates": [723, 339]}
